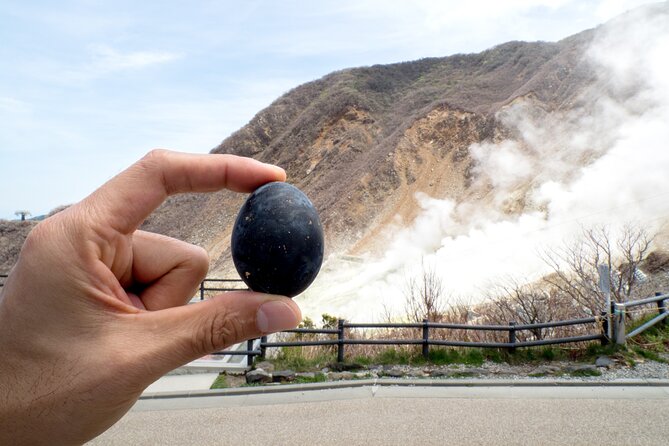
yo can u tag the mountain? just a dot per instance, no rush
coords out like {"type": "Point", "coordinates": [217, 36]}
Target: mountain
{"type": "Point", "coordinates": [361, 142]}
{"type": "Point", "coordinates": [490, 134]}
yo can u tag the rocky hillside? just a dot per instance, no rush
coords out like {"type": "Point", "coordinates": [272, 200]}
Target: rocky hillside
{"type": "Point", "coordinates": [12, 235]}
{"type": "Point", "coordinates": [361, 142]}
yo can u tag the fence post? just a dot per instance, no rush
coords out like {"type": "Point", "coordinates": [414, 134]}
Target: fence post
{"type": "Point", "coordinates": [619, 323]}
{"type": "Point", "coordinates": [662, 307]}
{"type": "Point", "coordinates": [340, 340]}
{"type": "Point", "coordinates": [426, 339]}
{"type": "Point", "coordinates": [605, 328]}
{"type": "Point", "coordinates": [202, 290]}
{"type": "Point", "coordinates": [263, 348]}
{"type": "Point", "coordinates": [512, 335]}
{"type": "Point", "coordinates": [249, 356]}
{"type": "Point", "coordinates": [605, 287]}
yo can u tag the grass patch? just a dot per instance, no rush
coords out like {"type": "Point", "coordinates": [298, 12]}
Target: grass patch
{"type": "Point", "coordinates": [394, 356]}
{"type": "Point", "coordinates": [318, 378]}
{"type": "Point", "coordinates": [548, 353]}
{"type": "Point", "coordinates": [220, 383]}
{"type": "Point", "coordinates": [362, 360]}
{"type": "Point", "coordinates": [494, 355]}
{"type": "Point", "coordinates": [649, 345]}
{"type": "Point", "coordinates": [585, 372]}
{"type": "Point", "coordinates": [436, 356]}
{"type": "Point", "coordinates": [652, 341]}
{"type": "Point", "coordinates": [648, 354]}
{"type": "Point", "coordinates": [532, 355]}
{"type": "Point", "coordinates": [592, 351]}
{"type": "Point", "coordinates": [473, 357]}
{"type": "Point", "coordinates": [292, 358]}
{"type": "Point", "coordinates": [443, 356]}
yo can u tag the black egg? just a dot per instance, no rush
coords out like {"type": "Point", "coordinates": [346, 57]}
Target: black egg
{"type": "Point", "coordinates": [277, 240]}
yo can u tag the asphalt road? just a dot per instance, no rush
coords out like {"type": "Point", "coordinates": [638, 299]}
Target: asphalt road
{"type": "Point", "coordinates": [376, 415]}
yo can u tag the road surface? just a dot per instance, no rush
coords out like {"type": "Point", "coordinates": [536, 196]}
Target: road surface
{"type": "Point", "coordinates": [392, 415]}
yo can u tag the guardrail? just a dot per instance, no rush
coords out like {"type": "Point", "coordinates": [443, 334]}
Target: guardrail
{"type": "Point", "coordinates": [223, 285]}
{"type": "Point", "coordinates": [620, 313]}
{"type": "Point", "coordinates": [425, 341]}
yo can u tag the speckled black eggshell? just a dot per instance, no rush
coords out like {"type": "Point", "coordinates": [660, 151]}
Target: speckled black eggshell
{"type": "Point", "coordinates": [277, 240]}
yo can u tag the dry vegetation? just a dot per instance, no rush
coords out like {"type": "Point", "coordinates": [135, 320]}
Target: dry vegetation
{"type": "Point", "coordinates": [570, 292]}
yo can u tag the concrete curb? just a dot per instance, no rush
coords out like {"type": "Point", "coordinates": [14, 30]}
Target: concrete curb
{"type": "Point", "coordinates": [258, 390]}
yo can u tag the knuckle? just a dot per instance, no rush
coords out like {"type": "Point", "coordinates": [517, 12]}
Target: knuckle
{"type": "Point", "coordinates": [221, 330]}
{"type": "Point", "coordinates": [156, 155]}
{"type": "Point", "coordinates": [153, 160]}
{"type": "Point", "coordinates": [153, 165]}
{"type": "Point", "coordinates": [200, 261]}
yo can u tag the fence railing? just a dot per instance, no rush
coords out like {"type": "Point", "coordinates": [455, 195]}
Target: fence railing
{"type": "Point", "coordinates": [617, 316]}
{"type": "Point", "coordinates": [220, 285]}
{"type": "Point", "coordinates": [622, 310]}
{"type": "Point", "coordinates": [207, 285]}
{"type": "Point", "coordinates": [426, 341]}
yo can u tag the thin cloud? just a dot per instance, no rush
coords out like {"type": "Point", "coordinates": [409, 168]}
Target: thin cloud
{"type": "Point", "coordinates": [176, 74]}
{"type": "Point", "coordinates": [406, 30]}
{"type": "Point", "coordinates": [105, 60]}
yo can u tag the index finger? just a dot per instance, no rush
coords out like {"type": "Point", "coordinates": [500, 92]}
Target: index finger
{"type": "Point", "coordinates": [128, 198]}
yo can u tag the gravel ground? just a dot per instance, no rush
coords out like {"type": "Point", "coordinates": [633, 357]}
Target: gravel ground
{"type": "Point", "coordinates": [559, 370]}
{"type": "Point", "coordinates": [604, 369]}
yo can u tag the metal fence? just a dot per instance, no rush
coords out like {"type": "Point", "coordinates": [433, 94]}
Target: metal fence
{"type": "Point", "coordinates": [601, 323]}
{"type": "Point", "coordinates": [616, 316]}
{"type": "Point", "coordinates": [622, 311]}
{"type": "Point", "coordinates": [341, 340]}
{"type": "Point", "coordinates": [206, 286]}
{"type": "Point", "coordinates": [220, 285]}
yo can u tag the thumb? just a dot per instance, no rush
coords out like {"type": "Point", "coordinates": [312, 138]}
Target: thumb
{"type": "Point", "coordinates": [178, 335]}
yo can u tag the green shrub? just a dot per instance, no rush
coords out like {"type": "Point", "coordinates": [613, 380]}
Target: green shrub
{"type": "Point", "coordinates": [220, 383]}
{"type": "Point", "coordinates": [441, 356]}
{"type": "Point", "coordinates": [473, 357]}
{"type": "Point", "coordinates": [393, 356]}
{"type": "Point", "coordinates": [294, 359]}
{"type": "Point", "coordinates": [494, 355]}
{"type": "Point", "coordinates": [548, 353]}
{"type": "Point", "coordinates": [363, 360]}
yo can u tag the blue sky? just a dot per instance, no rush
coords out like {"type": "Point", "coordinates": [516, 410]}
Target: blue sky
{"type": "Point", "coordinates": [87, 87]}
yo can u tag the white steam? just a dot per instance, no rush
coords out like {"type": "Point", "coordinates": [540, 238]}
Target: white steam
{"type": "Point", "coordinates": [605, 162]}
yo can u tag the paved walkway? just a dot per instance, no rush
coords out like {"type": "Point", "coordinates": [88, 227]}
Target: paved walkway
{"type": "Point", "coordinates": [393, 415]}
{"type": "Point", "coordinates": [182, 383]}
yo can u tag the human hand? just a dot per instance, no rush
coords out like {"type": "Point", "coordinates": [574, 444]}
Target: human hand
{"type": "Point", "coordinates": [93, 312]}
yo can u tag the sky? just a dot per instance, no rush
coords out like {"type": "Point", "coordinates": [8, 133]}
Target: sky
{"type": "Point", "coordinates": [87, 87]}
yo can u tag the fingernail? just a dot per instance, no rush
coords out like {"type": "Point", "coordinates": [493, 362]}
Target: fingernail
{"type": "Point", "coordinates": [275, 316]}
{"type": "Point", "coordinates": [280, 172]}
